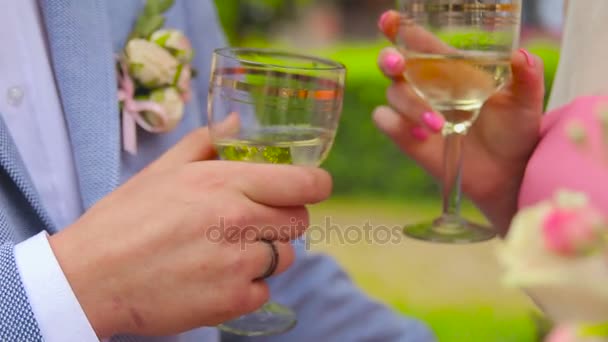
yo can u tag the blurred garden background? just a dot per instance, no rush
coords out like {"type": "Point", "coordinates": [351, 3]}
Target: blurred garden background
{"type": "Point", "coordinates": [455, 289]}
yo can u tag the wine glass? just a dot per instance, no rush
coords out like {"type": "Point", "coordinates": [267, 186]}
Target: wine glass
{"type": "Point", "coordinates": [458, 55]}
{"type": "Point", "coordinates": [268, 106]}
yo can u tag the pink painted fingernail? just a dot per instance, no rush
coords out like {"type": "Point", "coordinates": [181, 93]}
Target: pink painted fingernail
{"type": "Point", "coordinates": [393, 63]}
{"type": "Point", "coordinates": [529, 57]}
{"type": "Point", "coordinates": [419, 133]}
{"type": "Point", "coordinates": [434, 121]}
{"type": "Point", "coordinates": [382, 20]}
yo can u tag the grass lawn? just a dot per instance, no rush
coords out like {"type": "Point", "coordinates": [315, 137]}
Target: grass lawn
{"type": "Point", "coordinates": [455, 289]}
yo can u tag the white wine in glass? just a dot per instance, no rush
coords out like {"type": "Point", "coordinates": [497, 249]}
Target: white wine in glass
{"type": "Point", "coordinates": [273, 107]}
{"type": "Point", "coordinates": [295, 145]}
{"type": "Point", "coordinates": [457, 85]}
{"type": "Point", "coordinates": [462, 81]}
{"type": "Point", "coordinates": [458, 54]}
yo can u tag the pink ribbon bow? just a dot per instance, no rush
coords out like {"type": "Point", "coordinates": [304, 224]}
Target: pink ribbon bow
{"type": "Point", "coordinates": [132, 111]}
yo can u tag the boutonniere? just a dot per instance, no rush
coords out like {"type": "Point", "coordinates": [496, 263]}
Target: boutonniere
{"type": "Point", "coordinates": [154, 75]}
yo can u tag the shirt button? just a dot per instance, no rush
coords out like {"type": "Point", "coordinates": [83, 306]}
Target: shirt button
{"type": "Point", "coordinates": [14, 95]}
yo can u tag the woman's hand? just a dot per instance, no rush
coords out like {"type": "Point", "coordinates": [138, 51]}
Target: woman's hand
{"type": "Point", "coordinates": [498, 145]}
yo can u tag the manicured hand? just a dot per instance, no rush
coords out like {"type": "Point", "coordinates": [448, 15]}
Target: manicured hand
{"type": "Point", "coordinates": [498, 145]}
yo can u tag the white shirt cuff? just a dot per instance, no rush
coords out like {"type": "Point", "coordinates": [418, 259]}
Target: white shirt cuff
{"type": "Point", "coordinates": [58, 313]}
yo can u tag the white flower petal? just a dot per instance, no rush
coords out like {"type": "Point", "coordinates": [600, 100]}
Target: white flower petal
{"type": "Point", "coordinates": [155, 66]}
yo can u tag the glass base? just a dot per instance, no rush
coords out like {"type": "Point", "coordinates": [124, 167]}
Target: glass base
{"type": "Point", "coordinates": [270, 319]}
{"type": "Point", "coordinates": [450, 230]}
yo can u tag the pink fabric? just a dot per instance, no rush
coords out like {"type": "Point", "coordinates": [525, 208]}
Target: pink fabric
{"type": "Point", "coordinates": [558, 163]}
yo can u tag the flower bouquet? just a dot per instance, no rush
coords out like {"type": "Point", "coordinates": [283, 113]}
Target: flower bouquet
{"type": "Point", "coordinates": [154, 75]}
{"type": "Point", "coordinates": [557, 247]}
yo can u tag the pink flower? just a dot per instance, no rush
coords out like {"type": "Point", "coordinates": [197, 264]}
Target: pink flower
{"type": "Point", "coordinates": [572, 231]}
{"type": "Point", "coordinates": [563, 333]}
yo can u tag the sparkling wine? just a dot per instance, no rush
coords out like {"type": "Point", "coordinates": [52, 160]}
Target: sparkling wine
{"type": "Point", "coordinates": [295, 145]}
{"type": "Point", "coordinates": [457, 85]}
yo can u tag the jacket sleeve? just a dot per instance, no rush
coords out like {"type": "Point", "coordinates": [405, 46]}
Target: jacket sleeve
{"type": "Point", "coordinates": [17, 322]}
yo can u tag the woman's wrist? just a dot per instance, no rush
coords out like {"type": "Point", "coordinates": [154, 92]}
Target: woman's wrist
{"type": "Point", "coordinates": [501, 205]}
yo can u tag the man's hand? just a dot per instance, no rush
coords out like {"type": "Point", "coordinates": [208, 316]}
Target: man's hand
{"type": "Point", "coordinates": [177, 247]}
{"type": "Point", "coordinates": [499, 144]}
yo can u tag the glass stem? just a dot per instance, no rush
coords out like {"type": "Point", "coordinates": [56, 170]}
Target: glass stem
{"type": "Point", "coordinates": [452, 173]}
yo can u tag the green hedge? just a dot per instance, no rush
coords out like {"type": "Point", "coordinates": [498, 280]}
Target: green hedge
{"type": "Point", "coordinates": [363, 161]}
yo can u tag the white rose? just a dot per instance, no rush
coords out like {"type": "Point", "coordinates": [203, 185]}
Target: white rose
{"type": "Point", "coordinates": [176, 42]}
{"type": "Point", "coordinates": [173, 105]}
{"type": "Point", "coordinates": [150, 64]}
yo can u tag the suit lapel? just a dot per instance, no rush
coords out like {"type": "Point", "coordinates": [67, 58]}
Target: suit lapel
{"type": "Point", "coordinates": [12, 165]}
{"type": "Point", "coordinates": [83, 60]}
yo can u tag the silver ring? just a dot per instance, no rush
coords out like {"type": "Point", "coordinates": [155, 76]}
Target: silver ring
{"type": "Point", "coordinates": [274, 260]}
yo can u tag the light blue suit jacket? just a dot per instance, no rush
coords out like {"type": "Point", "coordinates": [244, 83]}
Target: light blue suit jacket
{"type": "Point", "coordinates": [83, 36]}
